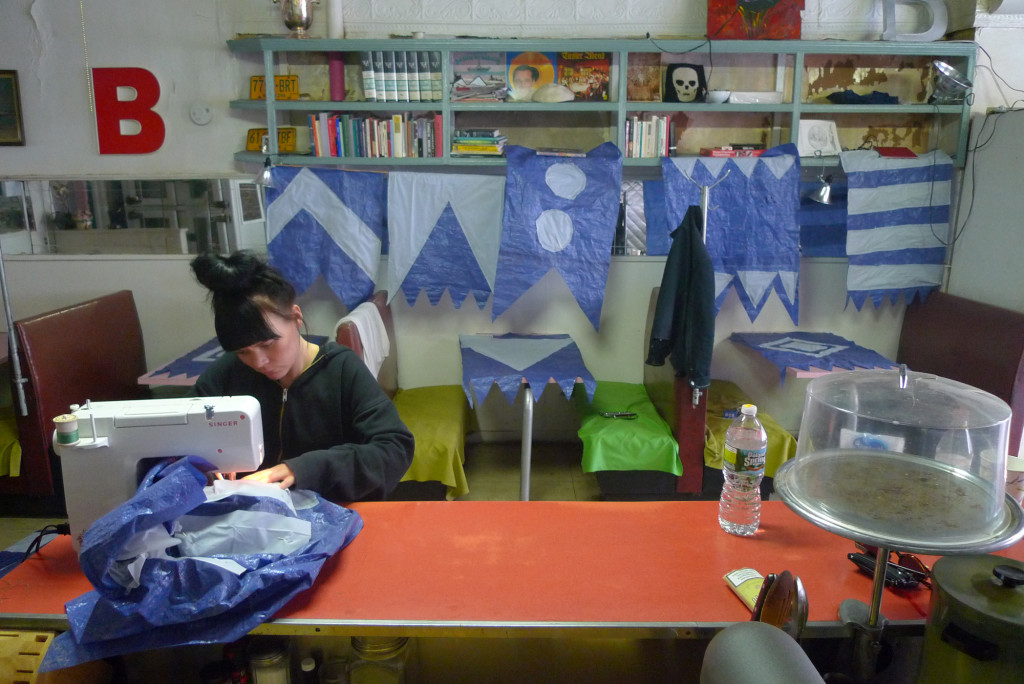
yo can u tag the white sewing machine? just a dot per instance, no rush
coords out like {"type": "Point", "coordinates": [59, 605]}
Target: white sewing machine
{"type": "Point", "coordinates": [117, 443]}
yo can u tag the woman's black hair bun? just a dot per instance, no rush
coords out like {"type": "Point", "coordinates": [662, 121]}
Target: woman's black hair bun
{"type": "Point", "coordinates": [233, 274]}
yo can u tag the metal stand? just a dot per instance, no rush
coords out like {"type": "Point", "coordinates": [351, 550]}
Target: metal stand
{"type": "Point", "coordinates": [705, 201]}
{"type": "Point", "coordinates": [867, 623]}
{"type": "Point", "coordinates": [527, 446]}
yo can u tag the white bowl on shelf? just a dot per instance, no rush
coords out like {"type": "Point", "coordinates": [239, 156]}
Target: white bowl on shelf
{"type": "Point", "coordinates": [756, 97]}
{"type": "Point", "coordinates": [717, 96]}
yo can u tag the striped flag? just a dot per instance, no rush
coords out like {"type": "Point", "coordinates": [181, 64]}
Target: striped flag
{"type": "Point", "coordinates": [897, 226]}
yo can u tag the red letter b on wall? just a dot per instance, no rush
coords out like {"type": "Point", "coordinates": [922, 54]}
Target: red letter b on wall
{"type": "Point", "coordinates": [111, 111]}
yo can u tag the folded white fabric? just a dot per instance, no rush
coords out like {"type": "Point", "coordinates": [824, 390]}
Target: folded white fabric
{"type": "Point", "coordinates": [372, 333]}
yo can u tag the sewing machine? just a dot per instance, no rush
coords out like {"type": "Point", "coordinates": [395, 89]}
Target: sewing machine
{"type": "Point", "coordinates": [117, 442]}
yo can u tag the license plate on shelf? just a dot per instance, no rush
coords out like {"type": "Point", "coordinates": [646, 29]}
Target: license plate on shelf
{"type": "Point", "coordinates": [285, 87]}
{"type": "Point", "coordinates": [287, 139]}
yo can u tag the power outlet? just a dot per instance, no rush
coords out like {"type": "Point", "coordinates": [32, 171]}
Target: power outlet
{"type": "Point", "coordinates": [200, 113]}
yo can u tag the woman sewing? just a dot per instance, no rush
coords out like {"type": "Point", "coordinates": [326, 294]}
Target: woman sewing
{"type": "Point", "coordinates": [327, 424]}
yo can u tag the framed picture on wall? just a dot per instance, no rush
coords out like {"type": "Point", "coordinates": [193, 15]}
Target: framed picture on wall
{"type": "Point", "coordinates": [12, 130]}
{"type": "Point", "coordinates": [754, 19]}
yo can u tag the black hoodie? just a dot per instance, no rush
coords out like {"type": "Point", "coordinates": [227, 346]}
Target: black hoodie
{"type": "Point", "coordinates": [334, 427]}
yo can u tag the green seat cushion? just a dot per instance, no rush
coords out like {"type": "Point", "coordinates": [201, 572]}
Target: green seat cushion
{"type": "Point", "coordinates": [437, 417]}
{"type": "Point", "coordinates": [643, 443]}
{"type": "Point", "coordinates": [726, 396]}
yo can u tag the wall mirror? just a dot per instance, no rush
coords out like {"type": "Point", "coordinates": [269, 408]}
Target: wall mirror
{"type": "Point", "coordinates": [77, 217]}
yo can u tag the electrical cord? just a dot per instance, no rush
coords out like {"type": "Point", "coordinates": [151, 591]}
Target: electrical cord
{"type": "Point", "coordinates": [37, 543]}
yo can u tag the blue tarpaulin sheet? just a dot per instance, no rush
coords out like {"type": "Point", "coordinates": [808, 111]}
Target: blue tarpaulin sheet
{"type": "Point", "coordinates": [752, 232]}
{"type": "Point", "coordinates": [560, 213]}
{"type": "Point", "coordinates": [804, 350]}
{"type": "Point", "coordinates": [327, 223]}
{"type": "Point", "coordinates": [444, 235]}
{"type": "Point", "coordinates": [505, 360]}
{"type": "Point", "coordinates": [178, 599]}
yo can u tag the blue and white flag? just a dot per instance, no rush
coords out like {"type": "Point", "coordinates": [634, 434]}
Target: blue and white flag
{"type": "Point", "coordinates": [330, 223]}
{"type": "Point", "coordinates": [444, 235]}
{"type": "Point", "coordinates": [560, 213]}
{"type": "Point", "coordinates": [897, 225]}
{"type": "Point", "coordinates": [752, 233]}
{"type": "Point", "coordinates": [510, 360]}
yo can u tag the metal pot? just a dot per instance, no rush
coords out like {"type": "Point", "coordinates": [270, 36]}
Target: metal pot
{"type": "Point", "coordinates": [975, 626]}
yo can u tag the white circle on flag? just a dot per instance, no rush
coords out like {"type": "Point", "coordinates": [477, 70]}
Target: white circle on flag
{"type": "Point", "coordinates": [565, 180]}
{"type": "Point", "coordinates": [554, 230]}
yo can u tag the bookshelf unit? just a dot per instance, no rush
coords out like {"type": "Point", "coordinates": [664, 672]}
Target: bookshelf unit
{"type": "Point", "coordinates": [800, 74]}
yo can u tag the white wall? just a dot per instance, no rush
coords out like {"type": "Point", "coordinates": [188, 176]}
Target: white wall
{"type": "Point", "coordinates": [183, 44]}
{"type": "Point", "coordinates": [988, 256]}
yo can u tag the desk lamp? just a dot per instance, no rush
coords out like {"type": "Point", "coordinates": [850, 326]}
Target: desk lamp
{"type": "Point", "coordinates": [950, 85]}
{"type": "Point", "coordinates": [823, 194]}
{"type": "Point", "coordinates": [265, 177]}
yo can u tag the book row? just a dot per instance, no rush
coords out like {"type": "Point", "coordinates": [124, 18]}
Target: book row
{"type": "Point", "coordinates": [401, 75]}
{"type": "Point", "coordinates": [416, 76]}
{"type": "Point", "coordinates": [399, 135]}
{"type": "Point", "coordinates": [650, 135]}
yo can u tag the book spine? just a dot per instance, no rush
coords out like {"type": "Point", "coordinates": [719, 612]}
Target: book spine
{"type": "Point", "coordinates": [478, 133]}
{"type": "Point", "coordinates": [324, 134]}
{"type": "Point", "coordinates": [401, 76]}
{"type": "Point", "coordinates": [423, 69]}
{"type": "Point", "coordinates": [438, 135]}
{"type": "Point", "coordinates": [369, 77]}
{"type": "Point", "coordinates": [387, 67]}
{"type": "Point", "coordinates": [436, 75]}
{"type": "Point", "coordinates": [397, 136]}
{"type": "Point", "coordinates": [336, 75]}
{"type": "Point", "coordinates": [332, 135]}
{"type": "Point", "coordinates": [412, 69]}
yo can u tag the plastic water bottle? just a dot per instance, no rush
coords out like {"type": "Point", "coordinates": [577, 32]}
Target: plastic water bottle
{"type": "Point", "coordinates": [746, 443]}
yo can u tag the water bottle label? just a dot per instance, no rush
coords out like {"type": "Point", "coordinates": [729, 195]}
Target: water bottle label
{"type": "Point", "coordinates": [744, 460]}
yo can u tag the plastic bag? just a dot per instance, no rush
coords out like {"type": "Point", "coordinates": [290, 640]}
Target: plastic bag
{"type": "Point", "coordinates": [190, 600]}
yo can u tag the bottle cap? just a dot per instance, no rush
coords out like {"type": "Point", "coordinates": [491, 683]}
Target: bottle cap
{"type": "Point", "coordinates": [749, 410]}
{"type": "Point", "coordinates": [308, 664]}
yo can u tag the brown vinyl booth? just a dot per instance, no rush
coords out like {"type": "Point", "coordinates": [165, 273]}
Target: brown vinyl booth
{"type": "Point", "coordinates": [91, 350]}
{"type": "Point", "coordinates": [974, 343]}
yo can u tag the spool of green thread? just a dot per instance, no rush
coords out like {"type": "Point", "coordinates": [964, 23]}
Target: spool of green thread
{"type": "Point", "coordinates": [66, 425]}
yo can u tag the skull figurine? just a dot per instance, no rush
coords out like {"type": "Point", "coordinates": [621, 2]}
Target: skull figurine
{"type": "Point", "coordinates": [685, 83]}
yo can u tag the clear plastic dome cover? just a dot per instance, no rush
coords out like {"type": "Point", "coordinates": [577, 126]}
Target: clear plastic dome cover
{"type": "Point", "coordinates": [908, 460]}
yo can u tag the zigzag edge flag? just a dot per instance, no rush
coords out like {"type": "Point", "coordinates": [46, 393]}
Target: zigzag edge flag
{"type": "Point", "coordinates": [898, 221]}
{"type": "Point", "coordinates": [560, 213]}
{"type": "Point", "coordinates": [506, 360]}
{"type": "Point", "coordinates": [752, 232]}
{"type": "Point", "coordinates": [444, 235]}
{"type": "Point", "coordinates": [330, 223]}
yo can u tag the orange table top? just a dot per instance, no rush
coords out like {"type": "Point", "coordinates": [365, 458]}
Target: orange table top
{"type": "Point", "coordinates": [451, 568]}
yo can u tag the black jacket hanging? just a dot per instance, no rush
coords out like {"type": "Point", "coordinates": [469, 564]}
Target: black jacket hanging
{"type": "Point", "coordinates": [684, 315]}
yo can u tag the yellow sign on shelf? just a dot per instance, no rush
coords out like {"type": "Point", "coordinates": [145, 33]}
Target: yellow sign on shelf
{"type": "Point", "coordinates": [287, 139]}
{"type": "Point", "coordinates": [285, 87]}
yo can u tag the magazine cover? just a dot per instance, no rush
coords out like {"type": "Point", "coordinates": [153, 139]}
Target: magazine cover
{"type": "Point", "coordinates": [478, 76]}
{"type": "Point", "coordinates": [529, 71]}
{"type": "Point", "coordinates": [586, 74]}
{"type": "Point", "coordinates": [643, 77]}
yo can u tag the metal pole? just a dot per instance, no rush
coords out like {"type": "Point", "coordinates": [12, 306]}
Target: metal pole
{"type": "Point", "coordinates": [527, 445]}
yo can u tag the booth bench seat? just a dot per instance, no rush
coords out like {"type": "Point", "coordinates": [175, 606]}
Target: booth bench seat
{"type": "Point", "coordinates": [437, 417]}
{"type": "Point", "coordinates": [91, 350]}
{"type": "Point", "coordinates": [974, 343]}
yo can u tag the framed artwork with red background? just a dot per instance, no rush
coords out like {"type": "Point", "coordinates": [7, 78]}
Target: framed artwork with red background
{"type": "Point", "coordinates": [754, 19]}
